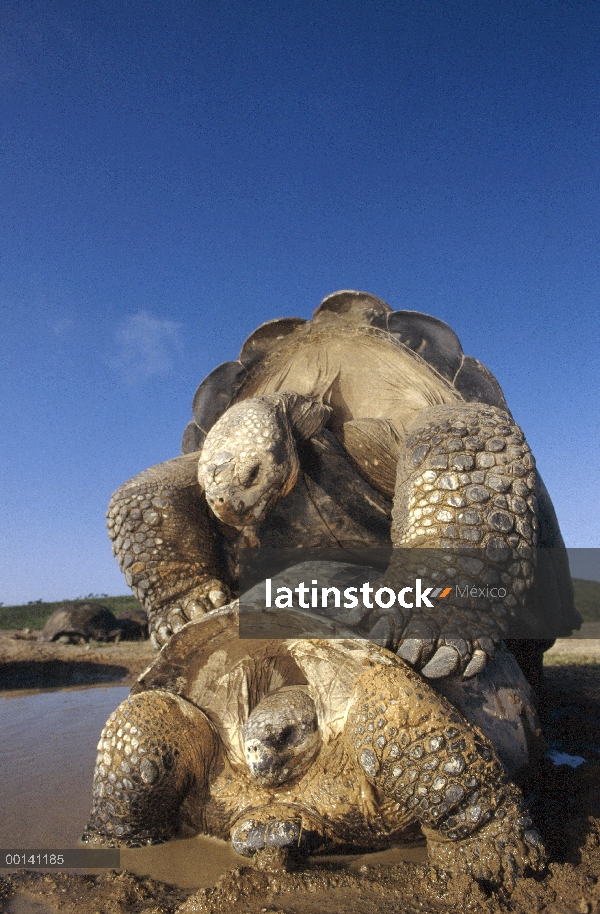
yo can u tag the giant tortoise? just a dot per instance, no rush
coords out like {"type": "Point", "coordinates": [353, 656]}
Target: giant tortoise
{"type": "Point", "coordinates": [317, 744]}
{"type": "Point", "coordinates": [77, 623]}
{"type": "Point", "coordinates": [362, 426]}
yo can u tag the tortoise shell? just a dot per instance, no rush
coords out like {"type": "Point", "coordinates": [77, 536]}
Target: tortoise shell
{"type": "Point", "coordinates": [357, 356]}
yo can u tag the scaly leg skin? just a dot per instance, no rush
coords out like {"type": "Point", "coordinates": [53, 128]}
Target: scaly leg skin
{"type": "Point", "coordinates": [155, 751]}
{"type": "Point", "coordinates": [166, 547]}
{"type": "Point", "coordinates": [414, 747]}
{"type": "Point", "coordinates": [464, 492]}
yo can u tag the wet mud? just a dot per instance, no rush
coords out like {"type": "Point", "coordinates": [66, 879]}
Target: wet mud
{"type": "Point", "coordinates": [564, 800]}
{"type": "Point", "coordinates": [27, 663]}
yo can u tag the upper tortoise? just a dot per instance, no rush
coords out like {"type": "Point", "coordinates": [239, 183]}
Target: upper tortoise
{"type": "Point", "coordinates": [362, 426]}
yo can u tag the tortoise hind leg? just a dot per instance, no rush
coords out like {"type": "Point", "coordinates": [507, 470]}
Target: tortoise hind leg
{"type": "Point", "coordinates": [154, 753]}
{"type": "Point", "coordinates": [166, 545]}
{"type": "Point", "coordinates": [465, 493]}
{"type": "Point", "coordinates": [417, 751]}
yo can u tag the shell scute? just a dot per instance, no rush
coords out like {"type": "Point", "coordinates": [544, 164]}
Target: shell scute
{"type": "Point", "coordinates": [477, 384]}
{"type": "Point", "coordinates": [353, 307]}
{"type": "Point", "coordinates": [429, 337]}
{"type": "Point", "coordinates": [268, 337]}
{"type": "Point", "coordinates": [215, 393]}
{"type": "Point", "coordinates": [193, 438]}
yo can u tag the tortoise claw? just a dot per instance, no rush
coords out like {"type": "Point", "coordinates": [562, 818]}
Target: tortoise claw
{"type": "Point", "coordinates": [176, 619]}
{"type": "Point", "coordinates": [217, 598]}
{"type": "Point", "coordinates": [487, 645]}
{"type": "Point", "coordinates": [418, 643]}
{"type": "Point", "coordinates": [410, 650]}
{"type": "Point", "coordinates": [382, 632]}
{"type": "Point", "coordinates": [162, 634]}
{"type": "Point", "coordinates": [445, 661]}
{"type": "Point", "coordinates": [476, 664]}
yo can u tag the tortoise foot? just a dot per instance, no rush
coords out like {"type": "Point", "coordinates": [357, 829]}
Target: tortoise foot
{"type": "Point", "coordinates": [209, 594]}
{"type": "Point", "coordinates": [497, 854]}
{"type": "Point", "coordinates": [414, 747]}
{"type": "Point", "coordinates": [465, 526]}
{"type": "Point", "coordinates": [254, 834]}
{"type": "Point", "coordinates": [165, 545]}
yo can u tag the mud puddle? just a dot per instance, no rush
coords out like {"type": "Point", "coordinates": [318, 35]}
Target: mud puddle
{"type": "Point", "coordinates": [47, 757]}
{"type": "Point", "coordinates": [28, 663]}
{"type": "Point", "coordinates": [201, 861]}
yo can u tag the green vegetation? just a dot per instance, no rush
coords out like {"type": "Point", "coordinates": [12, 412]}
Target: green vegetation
{"type": "Point", "coordinates": [34, 615]}
{"type": "Point", "coordinates": [590, 661]}
{"type": "Point", "coordinates": [587, 599]}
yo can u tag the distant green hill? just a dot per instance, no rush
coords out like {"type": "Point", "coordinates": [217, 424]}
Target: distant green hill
{"type": "Point", "coordinates": [587, 599]}
{"type": "Point", "coordinates": [34, 615]}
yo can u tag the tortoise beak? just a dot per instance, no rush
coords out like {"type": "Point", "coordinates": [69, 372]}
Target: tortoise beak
{"type": "Point", "coordinates": [233, 510]}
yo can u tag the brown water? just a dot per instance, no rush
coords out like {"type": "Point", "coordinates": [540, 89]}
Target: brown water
{"type": "Point", "coordinates": [47, 752]}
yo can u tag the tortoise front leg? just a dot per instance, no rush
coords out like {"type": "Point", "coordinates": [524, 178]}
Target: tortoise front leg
{"type": "Point", "coordinates": [465, 493]}
{"type": "Point", "coordinates": [165, 544]}
{"type": "Point", "coordinates": [154, 753]}
{"type": "Point", "coordinates": [415, 748]}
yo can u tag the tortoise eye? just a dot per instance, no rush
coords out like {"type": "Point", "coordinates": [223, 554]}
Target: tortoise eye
{"type": "Point", "coordinates": [286, 733]}
{"type": "Point", "coordinates": [249, 477]}
{"type": "Point", "coordinates": [285, 737]}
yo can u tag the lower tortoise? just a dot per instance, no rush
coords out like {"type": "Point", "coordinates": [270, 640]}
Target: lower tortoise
{"type": "Point", "coordinates": [315, 745]}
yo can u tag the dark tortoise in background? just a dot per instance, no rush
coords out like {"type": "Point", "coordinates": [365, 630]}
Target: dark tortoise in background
{"type": "Point", "coordinates": [313, 745]}
{"type": "Point", "coordinates": [82, 622]}
{"type": "Point", "coordinates": [362, 426]}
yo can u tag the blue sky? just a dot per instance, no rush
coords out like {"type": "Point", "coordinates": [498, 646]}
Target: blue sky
{"type": "Point", "coordinates": [173, 174]}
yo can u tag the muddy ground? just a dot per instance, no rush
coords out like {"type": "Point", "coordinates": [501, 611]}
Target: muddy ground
{"type": "Point", "coordinates": [565, 803]}
{"type": "Point", "coordinates": [27, 663]}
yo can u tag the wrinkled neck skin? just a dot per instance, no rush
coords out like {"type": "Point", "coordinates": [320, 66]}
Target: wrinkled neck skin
{"type": "Point", "coordinates": [250, 458]}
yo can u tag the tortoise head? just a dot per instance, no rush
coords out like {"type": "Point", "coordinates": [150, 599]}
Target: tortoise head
{"type": "Point", "coordinates": [250, 459]}
{"type": "Point", "coordinates": [281, 737]}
